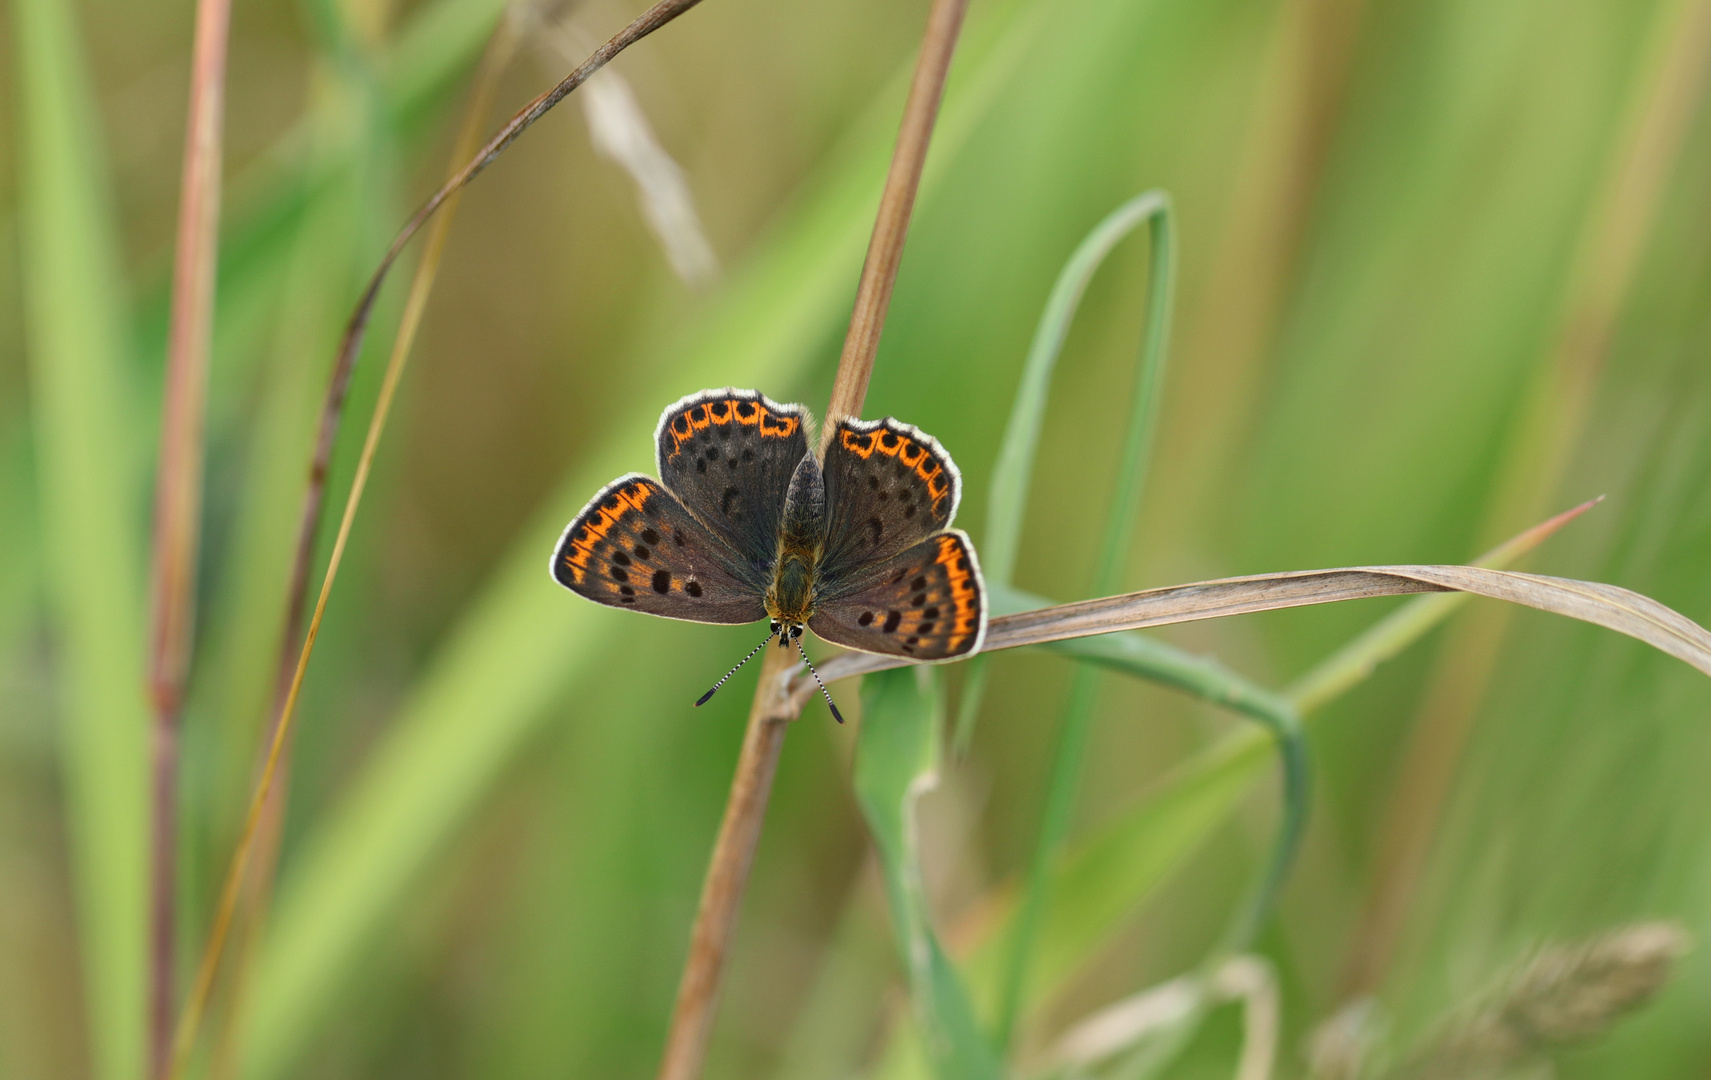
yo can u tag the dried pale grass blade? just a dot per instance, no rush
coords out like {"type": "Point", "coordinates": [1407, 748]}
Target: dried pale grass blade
{"type": "Point", "coordinates": [620, 132]}
{"type": "Point", "coordinates": [1389, 636]}
{"type": "Point", "coordinates": [1171, 1007]}
{"type": "Point", "coordinates": [1119, 1026]}
{"type": "Point", "coordinates": [1252, 981]}
{"type": "Point", "coordinates": [1608, 606]}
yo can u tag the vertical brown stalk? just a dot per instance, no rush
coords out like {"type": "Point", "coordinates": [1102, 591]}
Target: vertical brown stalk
{"type": "Point", "coordinates": [728, 872]}
{"type": "Point", "coordinates": [253, 904]}
{"type": "Point", "coordinates": [891, 227]}
{"type": "Point", "coordinates": [745, 809]}
{"type": "Point", "coordinates": [178, 494]}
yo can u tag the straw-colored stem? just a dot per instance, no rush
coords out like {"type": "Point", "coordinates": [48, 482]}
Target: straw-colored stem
{"type": "Point", "coordinates": [254, 898]}
{"type": "Point", "coordinates": [896, 203]}
{"type": "Point", "coordinates": [745, 809]}
{"type": "Point", "coordinates": [728, 872]}
{"type": "Point", "coordinates": [178, 495]}
{"type": "Point", "coordinates": [281, 731]}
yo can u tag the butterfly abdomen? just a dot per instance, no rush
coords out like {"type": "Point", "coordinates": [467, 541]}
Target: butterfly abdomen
{"type": "Point", "coordinates": [791, 597]}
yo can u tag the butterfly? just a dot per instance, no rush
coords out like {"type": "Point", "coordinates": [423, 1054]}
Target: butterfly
{"type": "Point", "coordinates": [746, 523]}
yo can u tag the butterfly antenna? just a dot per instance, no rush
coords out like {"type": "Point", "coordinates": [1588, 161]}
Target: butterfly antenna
{"type": "Point", "coordinates": [836, 715]}
{"type": "Point", "coordinates": [702, 700]}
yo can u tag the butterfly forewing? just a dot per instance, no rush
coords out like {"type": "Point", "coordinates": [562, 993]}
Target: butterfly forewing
{"type": "Point", "coordinates": [888, 486]}
{"type": "Point", "coordinates": [925, 603]}
{"type": "Point", "coordinates": [635, 546]}
{"type": "Point", "coordinates": [728, 455]}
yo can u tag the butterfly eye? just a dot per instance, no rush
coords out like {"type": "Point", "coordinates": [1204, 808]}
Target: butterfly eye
{"type": "Point", "coordinates": [775, 626]}
{"type": "Point", "coordinates": [796, 631]}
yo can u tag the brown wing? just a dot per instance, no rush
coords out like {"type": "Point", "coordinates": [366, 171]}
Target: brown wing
{"type": "Point", "coordinates": [728, 455]}
{"type": "Point", "coordinates": [888, 487]}
{"type": "Point", "coordinates": [635, 546]}
{"type": "Point", "coordinates": [926, 603]}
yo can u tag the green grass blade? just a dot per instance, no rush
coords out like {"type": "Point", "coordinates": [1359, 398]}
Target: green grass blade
{"type": "Point", "coordinates": [1013, 472]}
{"type": "Point", "coordinates": [1151, 841]}
{"type": "Point", "coordinates": [89, 482]}
{"type": "Point", "coordinates": [1102, 877]}
{"type": "Point", "coordinates": [897, 761]}
{"type": "Point", "coordinates": [1009, 496]}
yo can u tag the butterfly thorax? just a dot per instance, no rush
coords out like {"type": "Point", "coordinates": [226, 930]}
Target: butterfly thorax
{"type": "Point", "coordinates": [801, 540]}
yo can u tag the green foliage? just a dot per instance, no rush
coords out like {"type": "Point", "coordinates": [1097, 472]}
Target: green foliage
{"type": "Point", "coordinates": [897, 762]}
{"type": "Point", "coordinates": [501, 801]}
{"type": "Point", "coordinates": [1011, 476]}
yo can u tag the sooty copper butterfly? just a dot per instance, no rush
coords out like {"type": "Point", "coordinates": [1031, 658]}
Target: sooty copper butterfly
{"type": "Point", "coordinates": [745, 523]}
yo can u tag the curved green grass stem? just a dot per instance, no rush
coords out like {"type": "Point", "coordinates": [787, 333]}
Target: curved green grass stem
{"type": "Point", "coordinates": [1012, 473]}
{"type": "Point", "coordinates": [1009, 495]}
{"type": "Point", "coordinates": [1138, 655]}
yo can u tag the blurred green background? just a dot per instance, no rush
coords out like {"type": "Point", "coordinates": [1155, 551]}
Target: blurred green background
{"type": "Point", "coordinates": [1444, 269]}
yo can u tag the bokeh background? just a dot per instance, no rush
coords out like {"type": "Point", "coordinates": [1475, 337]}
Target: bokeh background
{"type": "Point", "coordinates": [1444, 270]}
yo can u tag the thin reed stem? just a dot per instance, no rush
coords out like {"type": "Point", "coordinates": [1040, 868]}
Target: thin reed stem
{"type": "Point", "coordinates": [254, 897]}
{"type": "Point", "coordinates": [728, 872]}
{"type": "Point", "coordinates": [745, 809]}
{"type": "Point", "coordinates": [349, 347]}
{"type": "Point", "coordinates": [350, 344]}
{"type": "Point", "coordinates": [896, 204]}
{"type": "Point", "coordinates": [178, 495]}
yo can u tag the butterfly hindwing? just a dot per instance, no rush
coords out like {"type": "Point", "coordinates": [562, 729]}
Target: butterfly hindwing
{"type": "Point", "coordinates": [634, 545]}
{"type": "Point", "coordinates": [925, 603]}
{"type": "Point", "coordinates": [888, 486]}
{"type": "Point", "coordinates": [728, 455]}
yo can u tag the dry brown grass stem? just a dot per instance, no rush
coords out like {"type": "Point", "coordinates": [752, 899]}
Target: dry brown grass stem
{"type": "Point", "coordinates": [178, 493]}
{"type": "Point", "coordinates": [728, 872]}
{"type": "Point", "coordinates": [350, 344]}
{"type": "Point", "coordinates": [349, 347]}
{"type": "Point", "coordinates": [891, 227]}
{"type": "Point", "coordinates": [745, 809]}
{"type": "Point", "coordinates": [1605, 605]}
{"type": "Point", "coordinates": [254, 897]}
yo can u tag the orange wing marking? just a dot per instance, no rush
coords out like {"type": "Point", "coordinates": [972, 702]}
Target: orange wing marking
{"type": "Point", "coordinates": [593, 528]}
{"type": "Point", "coordinates": [960, 573]}
{"type": "Point", "coordinates": [907, 451]}
{"type": "Point", "coordinates": [724, 411]}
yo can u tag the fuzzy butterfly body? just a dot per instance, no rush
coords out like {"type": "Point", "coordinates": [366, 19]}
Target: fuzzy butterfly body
{"type": "Point", "coordinates": [745, 523]}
